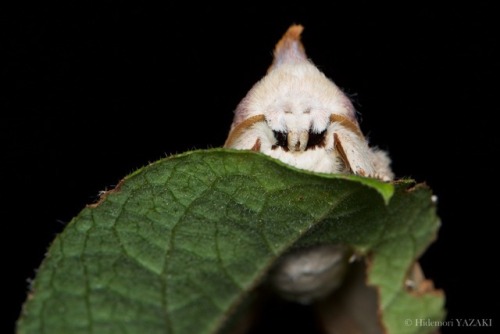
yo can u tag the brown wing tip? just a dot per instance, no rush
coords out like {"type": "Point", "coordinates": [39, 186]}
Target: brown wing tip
{"type": "Point", "coordinates": [290, 48]}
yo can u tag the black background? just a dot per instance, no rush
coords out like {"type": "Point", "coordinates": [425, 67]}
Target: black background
{"type": "Point", "coordinates": [93, 93]}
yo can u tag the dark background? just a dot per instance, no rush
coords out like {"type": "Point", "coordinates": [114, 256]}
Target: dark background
{"type": "Point", "coordinates": [93, 93]}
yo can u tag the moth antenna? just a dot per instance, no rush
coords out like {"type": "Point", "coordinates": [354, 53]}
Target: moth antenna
{"type": "Point", "coordinates": [289, 49]}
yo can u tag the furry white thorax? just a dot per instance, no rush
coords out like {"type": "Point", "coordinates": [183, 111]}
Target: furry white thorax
{"type": "Point", "coordinates": [297, 97]}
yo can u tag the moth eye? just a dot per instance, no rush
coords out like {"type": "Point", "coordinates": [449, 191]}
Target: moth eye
{"type": "Point", "coordinates": [281, 139]}
{"type": "Point", "coordinates": [316, 139]}
{"type": "Point", "coordinates": [307, 111]}
{"type": "Point", "coordinates": [288, 111]}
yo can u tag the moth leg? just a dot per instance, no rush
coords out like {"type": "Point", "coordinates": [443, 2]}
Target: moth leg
{"type": "Point", "coordinates": [353, 150]}
{"type": "Point", "coordinates": [256, 146]}
{"type": "Point", "coordinates": [256, 137]}
{"type": "Point", "coordinates": [340, 150]}
{"type": "Point", "coordinates": [382, 164]}
{"type": "Point", "coordinates": [357, 156]}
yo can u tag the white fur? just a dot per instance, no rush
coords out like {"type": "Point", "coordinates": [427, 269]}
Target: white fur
{"type": "Point", "coordinates": [295, 97]}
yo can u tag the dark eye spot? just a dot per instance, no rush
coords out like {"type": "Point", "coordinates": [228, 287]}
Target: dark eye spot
{"type": "Point", "coordinates": [307, 111]}
{"type": "Point", "coordinates": [281, 138]}
{"type": "Point", "coordinates": [316, 139]}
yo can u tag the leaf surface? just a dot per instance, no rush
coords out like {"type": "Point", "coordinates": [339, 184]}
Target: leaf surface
{"type": "Point", "coordinates": [179, 244]}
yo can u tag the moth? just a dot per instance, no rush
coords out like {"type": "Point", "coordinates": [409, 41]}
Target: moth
{"type": "Point", "coordinates": [299, 116]}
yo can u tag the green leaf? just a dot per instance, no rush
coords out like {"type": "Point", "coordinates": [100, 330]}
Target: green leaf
{"type": "Point", "coordinates": [181, 243]}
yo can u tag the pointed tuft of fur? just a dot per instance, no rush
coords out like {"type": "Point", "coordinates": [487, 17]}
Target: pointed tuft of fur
{"type": "Point", "coordinates": [289, 49]}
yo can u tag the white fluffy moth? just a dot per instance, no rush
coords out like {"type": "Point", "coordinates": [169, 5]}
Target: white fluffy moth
{"type": "Point", "coordinates": [299, 116]}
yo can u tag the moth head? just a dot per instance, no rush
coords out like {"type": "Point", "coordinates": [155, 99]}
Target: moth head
{"type": "Point", "coordinates": [295, 98]}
